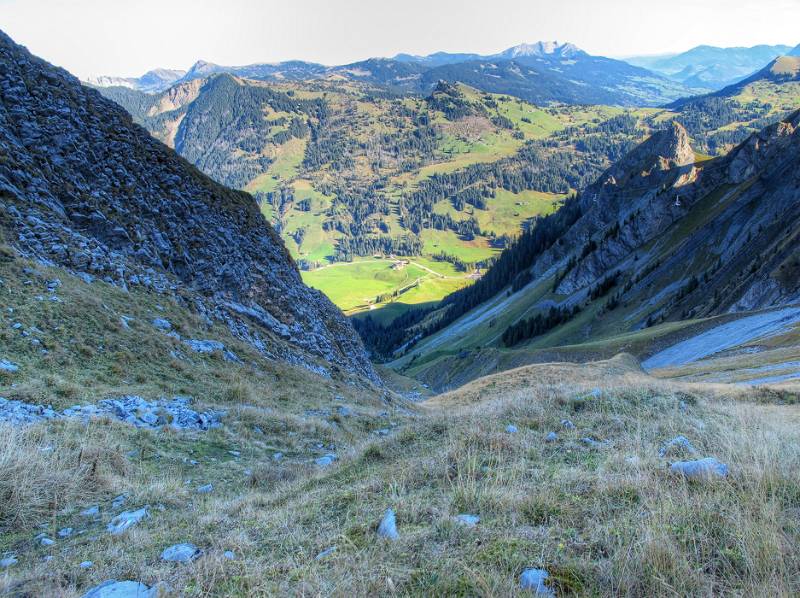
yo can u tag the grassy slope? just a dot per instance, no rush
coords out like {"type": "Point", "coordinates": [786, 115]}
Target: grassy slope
{"type": "Point", "coordinates": [601, 521]}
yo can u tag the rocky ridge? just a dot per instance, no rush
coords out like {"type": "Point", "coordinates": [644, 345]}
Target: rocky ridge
{"type": "Point", "coordinates": [86, 189]}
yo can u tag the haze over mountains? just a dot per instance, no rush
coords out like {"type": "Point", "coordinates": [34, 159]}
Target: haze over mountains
{"type": "Point", "coordinates": [540, 72]}
{"type": "Point", "coordinates": [710, 67]}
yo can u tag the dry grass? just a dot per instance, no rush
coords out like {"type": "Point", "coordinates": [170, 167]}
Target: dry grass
{"type": "Point", "coordinates": [602, 521]}
{"type": "Point", "coordinates": [607, 521]}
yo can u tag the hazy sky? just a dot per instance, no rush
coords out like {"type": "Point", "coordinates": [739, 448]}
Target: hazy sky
{"type": "Point", "coordinates": [115, 37]}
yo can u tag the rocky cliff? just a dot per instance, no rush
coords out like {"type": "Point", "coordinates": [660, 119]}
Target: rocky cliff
{"type": "Point", "coordinates": [84, 188]}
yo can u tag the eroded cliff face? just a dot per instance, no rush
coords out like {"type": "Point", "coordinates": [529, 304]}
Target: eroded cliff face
{"type": "Point", "coordinates": [658, 217]}
{"type": "Point", "coordinates": [84, 188]}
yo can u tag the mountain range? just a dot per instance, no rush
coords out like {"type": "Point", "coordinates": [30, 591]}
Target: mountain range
{"type": "Point", "coordinates": [181, 415]}
{"type": "Point", "coordinates": [711, 67]}
{"type": "Point", "coordinates": [540, 72]}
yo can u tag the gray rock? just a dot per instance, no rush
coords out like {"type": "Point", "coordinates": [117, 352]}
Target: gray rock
{"type": "Point", "coordinates": [209, 346]}
{"type": "Point", "coordinates": [7, 366]}
{"type": "Point", "coordinates": [229, 555]}
{"type": "Point", "coordinates": [511, 429]}
{"type": "Point", "coordinates": [679, 443]}
{"type": "Point", "coordinates": [206, 489]}
{"type": "Point", "coordinates": [568, 425]}
{"type": "Point", "coordinates": [91, 511]}
{"type": "Point", "coordinates": [535, 580]}
{"type": "Point", "coordinates": [551, 437]}
{"type": "Point", "coordinates": [592, 443]}
{"type": "Point", "coordinates": [86, 565]}
{"type": "Point", "coordinates": [388, 526]}
{"type": "Point", "coordinates": [127, 519]}
{"type": "Point", "coordinates": [701, 469]}
{"type": "Point", "coordinates": [468, 520]}
{"type": "Point", "coordinates": [46, 542]}
{"type": "Point", "coordinates": [8, 562]}
{"type": "Point", "coordinates": [277, 456]}
{"type": "Point", "coordinates": [121, 589]}
{"type": "Point", "coordinates": [324, 553]}
{"type": "Point", "coordinates": [181, 553]}
{"type": "Point", "coordinates": [118, 501]}
{"type": "Point", "coordinates": [65, 532]}
{"type": "Point", "coordinates": [325, 460]}
{"type": "Point", "coordinates": [162, 324]}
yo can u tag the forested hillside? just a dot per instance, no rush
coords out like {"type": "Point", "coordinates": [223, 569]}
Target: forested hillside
{"type": "Point", "coordinates": [394, 201]}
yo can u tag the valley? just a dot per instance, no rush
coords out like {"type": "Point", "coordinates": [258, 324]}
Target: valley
{"type": "Point", "coordinates": [422, 176]}
{"type": "Point", "coordinates": [523, 323]}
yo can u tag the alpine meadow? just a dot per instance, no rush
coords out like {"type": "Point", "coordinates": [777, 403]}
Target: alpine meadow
{"type": "Point", "coordinates": [386, 310]}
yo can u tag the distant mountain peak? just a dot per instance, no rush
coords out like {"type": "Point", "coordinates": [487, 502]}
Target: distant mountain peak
{"type": "Point", "coordinates": [542, 48]}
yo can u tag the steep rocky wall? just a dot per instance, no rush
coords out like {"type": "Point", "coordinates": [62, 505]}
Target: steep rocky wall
{"type": "Point", "coordinates": [85, 188]}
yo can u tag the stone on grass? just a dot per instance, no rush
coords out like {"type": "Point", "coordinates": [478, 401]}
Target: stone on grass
{"type": "Point", "coordinates": [592, 443]}
{"type": "Point", "coordinates": [325, 460]}
{"type": "Point", "coordinates": [46, 542]}
{"type": "Point", "coordinates": [468, 520]}
{"type": "Point", "coordinates": [701, 469]}
{"type": "Point", "coordinates": [121, 589]}
{"type": "Point", "coordinates": [551, 437]}
{"type": "Point", "coordinates": [229, 555]}
{"type": "Point", "coordinates": [86, 565]}
{"type": "Point", "coordinates": [511, 429]}
{"type": "Point", "coordinates": [388, 526]}
{"type": "Point", "coordinates": [126, 519]}
{"type": "Point", "coordinates": [162, 324]}
{"type": "Point", "coordinates": [568, 425]}
{"type": "Point", "coordinates": [65, 532]}
{"type": "Point", "coordinates": [535, 580]}
{"type": "Point", "coordinates": [324, 553]}
{"type": "Point", "coordinates": [205, 489]}
{"type": "Point", "coordinates": [91, 511]}
{"type": "Point", "coordinates": [680, 443]}
{"type": "Point", "coordinates": [8, 562]}
{"type": "Point", "coordinates": [7, 366]}
{"type": "Point", "coordinates": [180, 553]}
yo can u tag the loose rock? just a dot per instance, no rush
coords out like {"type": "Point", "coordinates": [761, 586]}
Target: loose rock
{"type": "Point", "coordinates": [181, 553]}
{"type": "Point", "coordinates": [127, 519]}
{"type": "Point", "coordinates": [120, 589]}
{"type": "Point", "coordinates": [8, 562]}
{"type": "Point", "coordinates": [468, 520]}
{"type": "Point", "coordinates": [325, 460]}
{"type": "Point", "coordinates": [536, 581]}
{"type": "Point", "coordinates": [324, 553]}
{"type": "Point", "coordinates": [701, 469]}
{"type": "Point", "coordinates": [388, 526]}
{"type": "Point", "coordinates": [511, 429]}
{"type": "Point", "coordinates": [680, 443]}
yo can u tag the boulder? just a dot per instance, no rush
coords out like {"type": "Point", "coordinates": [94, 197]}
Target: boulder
{"type": "Point", "coordinates": [701, 470]}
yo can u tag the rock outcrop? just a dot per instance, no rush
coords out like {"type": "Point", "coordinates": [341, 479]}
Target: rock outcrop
{"type": "Point", "coordinates": [84, 188]}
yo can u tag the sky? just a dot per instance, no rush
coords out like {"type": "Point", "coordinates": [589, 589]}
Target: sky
{"type": "Point", "coordinates": [127, 38]}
